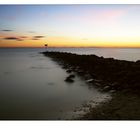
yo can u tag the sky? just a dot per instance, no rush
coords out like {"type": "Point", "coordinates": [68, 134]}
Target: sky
{"type": "Point", "coordinates": [70, 25]}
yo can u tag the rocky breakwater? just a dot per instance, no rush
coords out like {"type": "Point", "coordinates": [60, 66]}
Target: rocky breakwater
{"type": "Point", "coordinates": [120, 77]}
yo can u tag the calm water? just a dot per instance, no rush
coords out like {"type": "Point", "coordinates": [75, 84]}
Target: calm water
{"type": "Point", "coordinates": [118, 53]}
{"type": "Point", "coordinates": [32, 86]}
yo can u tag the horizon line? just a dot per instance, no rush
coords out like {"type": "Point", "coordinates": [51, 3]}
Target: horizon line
{"type": "Point", "coordinates": [69, 47]}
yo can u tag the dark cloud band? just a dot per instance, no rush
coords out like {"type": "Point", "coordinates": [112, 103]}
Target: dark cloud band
{"type": "Point", "coordinates": [6, 30]}
{"type": "Point", "coordinates": [13, 38]}
{"type": "Point", "coordinates": [37, 37]}
{"type": "Point", "coordinates": [22, 38]}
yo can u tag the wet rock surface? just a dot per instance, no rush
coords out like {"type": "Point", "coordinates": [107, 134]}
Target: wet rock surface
{"type": "Point", "coordinates": [70, 78]}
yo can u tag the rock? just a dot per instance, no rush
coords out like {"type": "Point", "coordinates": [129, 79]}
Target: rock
{"type": "Point", "coordinates": [90, 80]}
{"type": "Point", "coordinates": [112, 91]}
{"type": "Point", "coordinates": [106, 87]}
{"type": "Point", "coordinates": [97, 80]}
{"type": "Point", "coordinates": [138, 61]}
{"type": "Point", "coordinates": [80, 72]}
{"type": "Point", "coordinates": [72, 76]}
{"type": "Point", "coordinates": [69, 71]}
{"type": "Point", "coordinates": [87, 77]}
{"type": "Point", "coordinates": [70, 80]}
{"type": "Point", "coordinates": [97, 84]}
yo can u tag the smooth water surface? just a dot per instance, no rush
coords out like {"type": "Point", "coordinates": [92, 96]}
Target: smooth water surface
{"type": "Point", "coordinates": [32, 86]}
{"type": "Point", "coordinates": [130, 54]}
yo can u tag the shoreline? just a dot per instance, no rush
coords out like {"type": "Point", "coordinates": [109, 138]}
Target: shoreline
{"type": "Point", "coordinates": [121, 78]}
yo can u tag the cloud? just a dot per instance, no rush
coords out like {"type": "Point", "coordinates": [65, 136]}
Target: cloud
{"type": "Point", "coordinates": [37, 37]}
{"type": "Point", "coordinates": [13, 38]}
{"type": "Point", "coordinates": [31, 32]}
{"type": "Point", "coordinates": [22, 38]}
{"type": "Point", "coordinates": [6, 30]}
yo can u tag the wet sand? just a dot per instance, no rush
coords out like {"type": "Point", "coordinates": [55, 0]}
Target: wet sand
{"type": "Point", "coordinates": [119, 77]}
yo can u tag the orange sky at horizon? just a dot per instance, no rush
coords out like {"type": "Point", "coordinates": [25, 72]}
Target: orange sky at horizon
{"type": "Point", "coordinates": [67, 42]}
{"type": "Point", "coordinates": [70, 25]}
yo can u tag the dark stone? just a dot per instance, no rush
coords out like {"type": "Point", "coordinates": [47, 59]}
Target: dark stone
{"type": "Point", "coordinates": [72, 76]}
{"type": "Point", "coordinates": [69, 71]}
{"type": "Point", "coordinates": [69, 80]}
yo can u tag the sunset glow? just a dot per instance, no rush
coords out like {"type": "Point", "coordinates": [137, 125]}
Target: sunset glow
{"type": "Point", "coordinates": [70, 25]}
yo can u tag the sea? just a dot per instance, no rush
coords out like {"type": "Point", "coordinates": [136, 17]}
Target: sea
{"type": "Point", "coordinates": [33, 87]}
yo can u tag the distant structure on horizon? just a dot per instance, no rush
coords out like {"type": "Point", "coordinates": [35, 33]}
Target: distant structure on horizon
{"type": "Point", "coordinates": [46, 46]}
